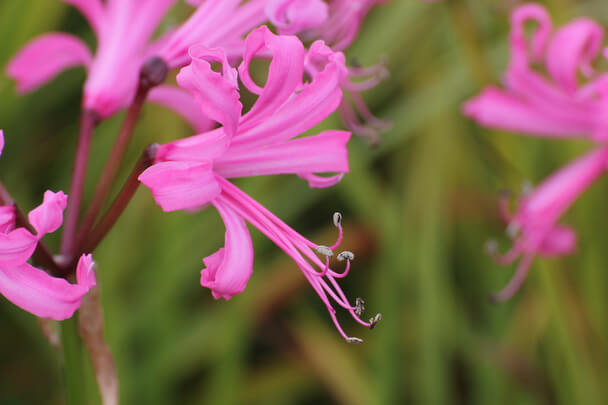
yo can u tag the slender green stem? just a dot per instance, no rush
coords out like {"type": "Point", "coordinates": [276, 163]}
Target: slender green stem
{"type": "Point", "coordinates": [88, 122]}
{"type": "Point", "coordinates": [73, 372]}
{"type": "Point", "coordinates": [92, 239]}
{"type": "Point", "coordinates": [153, 73]}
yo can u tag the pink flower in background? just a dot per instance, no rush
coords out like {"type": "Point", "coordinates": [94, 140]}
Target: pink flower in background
{"type": "Point", "coordinates": [534, 225]}
{"type": "Point", "coordinates": [337, 22]}
{"type": "Point", "coordinates": [193, 172]}
{"type": "Point", "coordinates": [27, 286]}
{"type": "Point", "coordinates": [124, 30]}
{"type": "Point", "coordinates": [557, 105]}
{"type": "Point", "coordinates": [554, 105]}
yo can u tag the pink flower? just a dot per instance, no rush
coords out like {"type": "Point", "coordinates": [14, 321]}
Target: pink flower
{"type": "Point", "coordinates": [556, 106]}
{"type": "Point", "coordinates": [337, 23]}
{"type": "Point", "coordinates": [193, 172]}
{"type": "Point", "coordinates": [534, 225]}
{"type": "Point", "coordinates": [124, 30]}
{"type": "Point", "coordinates": [27, 286]}
{"type": "Point", "coordinates": [553, 106]}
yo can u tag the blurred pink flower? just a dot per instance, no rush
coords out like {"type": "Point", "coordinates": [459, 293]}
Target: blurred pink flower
{"type": "Point", "coordinates": [337, 23]}
{"type": "Point", "coordinates": [192, 172]}
{"type": "Point", "coordinates": [553, 105]}
{"type": "Point", "coordinates": [557, 105]}
{"type": "Point", "coordinates": [124, 30]}
{"type": "Point", "coordinates": [534, 226]}
{"type": "Point", "coordinates": [29, 287]}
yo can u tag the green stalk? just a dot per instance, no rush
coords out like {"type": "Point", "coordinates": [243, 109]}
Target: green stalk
{"type": "Point", "coordinates": [73, 372]}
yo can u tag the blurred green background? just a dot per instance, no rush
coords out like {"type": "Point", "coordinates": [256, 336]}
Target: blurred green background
{"type": "Point", "coordinates": [418, 210]}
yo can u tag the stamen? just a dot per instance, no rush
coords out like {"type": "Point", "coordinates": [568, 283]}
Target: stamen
{"type": "Point", "coordinates": [324, 250]}
{"type": "Point", "coordinates": [337, 219]}
{"type": "Point", "coordinates": [346, 255]}
{"type": "Point", "coordinates": [513, 229]}
{"type": "Point", "coordinates": [359, 306]}
{"type": "Point", "coordinates": [374, 321]}
{"type": "Point", "coordinates": [354, 340]}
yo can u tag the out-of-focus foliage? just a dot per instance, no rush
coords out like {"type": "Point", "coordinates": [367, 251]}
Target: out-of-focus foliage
{"type": "Point", "coordinates": [418, 210]}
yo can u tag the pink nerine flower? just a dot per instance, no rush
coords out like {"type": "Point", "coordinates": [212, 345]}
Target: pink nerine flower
{"type": "Point", "coordinates": [337, 23]}
{"type": "Point", "coordinates": [557, 105]}
{"type": "Point", "coordinates": [192, 172]}
{"type": "Point", "coordinates": [27, 286]}
{"type": "Point", "coordinates": [124, 30]}
{"type": "Point", "coordinates": [554, 106]}
{"type": "Point", "coordinates": [534, 226]}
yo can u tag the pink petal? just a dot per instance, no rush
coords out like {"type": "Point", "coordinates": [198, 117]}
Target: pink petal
{"type": "Point", "coordinates": [554, 196]}
{"type": "Point", "coordinates": [7, 218]}
{"type": "Point", "coordinates": [325, 152]}
{"type": "Point", "coordinates": [181, 185]}
{"type": "Point", "coordinates": [496, 108]}
{"type": "Point", "coordinates": [92, 10]}
{"type": "Point", "coordinates": [1, 141]}
{"type": "Point", "coordinates": [574, 47]}
{"type": "Point", "coordinates": [558, 242]}
{"type": "Point", "coordinates": [85, 272]}
{"type": "Point", "coordinates": [284, 74]}
{"type": "Point", "coordinates": [540, 36]}
{"type": "Point", "coordinates": [16, 247]}
{"type": "Point", "coordinates": [41, 294]}
{"type": "Point", "coordinates": [293, 16]}
{"type": "Point", "coordinates": [228, 270]}
{"type": "Point", "coordinates": [216, 94]}
{"type": "Point", "coordinates": [182, 103]}
{"type": "Point", "coordinates": [315, 181]}
{"type": "Point", "coordinates": [48, 216]}
{"type": "Point", "coordinates": [312, 104]}
{"type": "Point", "coordinates": [199, 148]}
{"type": "Point", "coordinates": [45, 57]}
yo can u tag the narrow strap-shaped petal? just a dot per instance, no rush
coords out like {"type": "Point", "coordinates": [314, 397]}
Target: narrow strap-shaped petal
{"type": "Point", "coordinates": [16, 246]}
{"type": "Point", "coordinates": [45, 57]}
{"type": "Point", "coordinates": [43, 295]}
{"type": "Point", "coordinates": [216, 93]}
{"type": "Point", "coordinates": [228, 270]}
{"type": "Point", "coordinates": [199, 148]}
{"type": "Point", "coordinates": [181, 185]}
{"type": "Point", "coordinates": [322, 153]}
{"type": "Point", "coordinates": [517, 37]}
{"type": "Point", "coordinates": [182, 103]}
{"type": "Point", "coordinates": [572, 49]}
{"type": "Point", "coordinates": [498, 109]}
{"type": "Point", "coordinates": [284, 74]}
{"type": "Point", "coordinates": [293, 16]}
{"type": "Point", "coordinates": [561, 240]}
{"type": "Point", "coordinates": [313, 103]}
{"type": "Point", "coordinates": [48, 216]}
{"type": "Point", "coordinates": [555, 195]}
{"type": "Point", "coordinates": [92, 10]}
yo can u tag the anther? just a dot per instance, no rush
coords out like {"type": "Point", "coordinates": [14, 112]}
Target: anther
{"type": "Point", "coordinates": [360, 306]}
{"type": "Point", "coordinates": [374, 321]}
{"type": "Point", "coordinates": [354, 340]}
{"type": "Point", "coordinates": [337, 219]}
{"type": "Point", "coordinates": [324, 250]}
{"type": "Point", "coordinates": [346, 255]}
{"type": "Point", "coordinates": [491, 247]}
{"type": "Point", "coordinates": [513, 229]}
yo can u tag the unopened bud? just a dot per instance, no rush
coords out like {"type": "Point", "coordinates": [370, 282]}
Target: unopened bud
{"type": "Point", "coordinates": [153, 72]}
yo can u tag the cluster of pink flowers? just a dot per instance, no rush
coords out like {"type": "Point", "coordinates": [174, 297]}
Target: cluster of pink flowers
{"type": "Point", "coordinates": [306, 81]}
{"type": "Point", "coordinates": [550, 101]}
